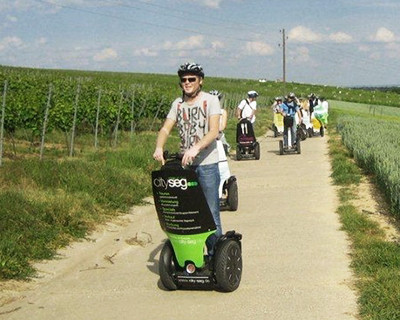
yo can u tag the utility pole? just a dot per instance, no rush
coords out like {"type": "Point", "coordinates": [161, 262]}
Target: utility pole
{"type": "Point", "coordinates": [284, 38]}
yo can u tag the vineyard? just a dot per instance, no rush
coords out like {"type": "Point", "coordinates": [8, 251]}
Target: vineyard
{"type": "Point", "coordinates": [71, 104]}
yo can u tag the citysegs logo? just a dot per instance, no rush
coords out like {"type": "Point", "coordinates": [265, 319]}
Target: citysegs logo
{"type": "Point", "coordinates": [181, 183]}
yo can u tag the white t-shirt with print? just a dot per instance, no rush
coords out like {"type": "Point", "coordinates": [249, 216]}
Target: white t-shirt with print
{"type": "Point", "coordinates": [192, 123]}
{"type": "Point", "coordinates": [247, 109]}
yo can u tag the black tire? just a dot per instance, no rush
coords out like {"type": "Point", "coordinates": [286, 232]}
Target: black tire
{"type": "Point", "coordinates": [257, 151]}
{"type": "Point", "coordinates": [228, 265]}
{"type": "Point", "coordinates": [280, 147]}
{"type": "Point", "coordinates": [298, 146]}
{"type": "Point", "coordinates": [233, 196]}
{"type": "Point", "coordinates": [238, 154]}
{"type": "Point", "coordinates": [167, 266]}
{"type": "Point", "coordinates": [310, 132]}
{"type": "Point", "coordinates": [321, 131]}
{"type": "Point", "coordinates": [275, 131]}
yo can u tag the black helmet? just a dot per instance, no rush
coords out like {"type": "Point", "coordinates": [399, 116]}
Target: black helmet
{"type": "Point", "coordinates": [252, 94]}
{"type": "Point", "coordinates": [193, 68]}
{"type": "Point", "coordinates": [216, 93]}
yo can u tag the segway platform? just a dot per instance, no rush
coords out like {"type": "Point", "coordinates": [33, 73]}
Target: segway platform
{"type": "Point", "coordinates": [186, 219]}
{"type": "Point", "coordinates": [289, 148]}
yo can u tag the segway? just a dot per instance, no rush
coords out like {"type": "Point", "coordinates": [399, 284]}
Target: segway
{"type": "Point", "coordinates": [247, 146]}
{"type": "Point", "coordinates": [186, 219]}
{"type": "Point", "coordinates": [286, 149]}
{"type": "Point", "coordinates": [228, 188]}
{"type": "Point", "coordinates": [230, 196]}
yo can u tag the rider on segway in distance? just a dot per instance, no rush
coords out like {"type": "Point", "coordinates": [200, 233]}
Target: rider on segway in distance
{"type": "Point", "coordinates": [289, 109]}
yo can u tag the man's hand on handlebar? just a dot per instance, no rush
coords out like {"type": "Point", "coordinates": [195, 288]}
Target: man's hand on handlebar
{"type": "Point", "coordinates": [159, 155]}
{"type": "Point", "coordinates": [189, 155]}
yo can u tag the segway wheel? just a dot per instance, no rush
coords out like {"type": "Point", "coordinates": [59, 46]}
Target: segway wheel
{"type": "Point", "coordinates": [321, 131]}
{"type": "Point", "coordinates": [233, 196]}
{"type": "Point", "coordinates": [310, 132]}
{"type": "Point", "coordinates": [238, 154]}
{"type": "Point", "coordinates": [257, 151]}
{"type": "Point", "coordinates": [280, 147]}
{"type": "Point", "coordinates": [228, 265]}
{"type": "Point", "coordinates": [275, 131]}
{"type": "Point", "coordinates": [167, 266]}
{"type": "Point", "coordinates": [298, 147]}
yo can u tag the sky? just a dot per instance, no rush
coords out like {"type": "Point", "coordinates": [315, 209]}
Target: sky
{"type": "Point", "coordinates": [340, 43]}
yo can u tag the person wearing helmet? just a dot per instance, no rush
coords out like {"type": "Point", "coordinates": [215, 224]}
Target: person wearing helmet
{"type": "Point", "coordinates": [197, 116]}
{"type": "Point", "coordinates": [247, 107]}
{"type": "Point", "coordinates": [289, 109]}
{"type": "Point", "coordinates": [276, 105]}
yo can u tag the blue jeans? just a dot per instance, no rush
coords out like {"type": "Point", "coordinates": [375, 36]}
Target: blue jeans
{"type": "Point", "coordinates": [209, 180]}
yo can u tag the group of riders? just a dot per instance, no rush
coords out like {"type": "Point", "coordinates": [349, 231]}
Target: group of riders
{"type": "Point", "coordinates": [300, 114]}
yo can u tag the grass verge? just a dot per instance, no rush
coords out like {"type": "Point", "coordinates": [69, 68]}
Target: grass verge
{"type": "Point", "coordinates": [46, 204]}
{"type": "Point", "coordinates": [375, 261]}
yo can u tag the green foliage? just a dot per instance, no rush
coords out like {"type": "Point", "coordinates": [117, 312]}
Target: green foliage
{"type": "Point", "coordinates": [375, 260]}
{"type": "Point", "coordinates": [46, 204]}
{"type": "Point", "coordinates": [374, 143]}
{"type": "Point", "coordinates": [114, 95]}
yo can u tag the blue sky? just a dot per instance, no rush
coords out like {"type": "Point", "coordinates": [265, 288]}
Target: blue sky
{"type": "Point", "coordinates": [342, 42]}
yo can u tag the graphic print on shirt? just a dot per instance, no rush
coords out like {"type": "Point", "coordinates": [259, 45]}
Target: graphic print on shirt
{"type": "Point", "coordinates": [192, 123]}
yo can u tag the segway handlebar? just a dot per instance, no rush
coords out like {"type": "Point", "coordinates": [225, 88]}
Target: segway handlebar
{"type": "Point", "coordinates": [172, 156]}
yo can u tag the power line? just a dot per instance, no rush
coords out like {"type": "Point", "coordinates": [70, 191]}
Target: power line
{"type": "Point", "coordinates": [187, 16]}
{"type": "Point", "coordinates": [119, 18]}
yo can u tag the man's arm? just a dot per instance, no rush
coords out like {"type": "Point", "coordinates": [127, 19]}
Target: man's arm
{"type": "Point", "coordinates": [162, 139]}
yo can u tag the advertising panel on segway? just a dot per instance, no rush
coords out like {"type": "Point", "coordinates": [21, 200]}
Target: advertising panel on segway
{"type": "Point", "coordinates": [186, 219]}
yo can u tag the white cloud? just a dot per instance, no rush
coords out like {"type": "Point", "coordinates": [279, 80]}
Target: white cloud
{"type": "Point", "coordinates": [364, 48]}
{"type": "Point", "coordinates": [190, 43]}
{"type": "Point", "coordinates": [146, 52]}
{"type": "Point", "coordinates": [105, 54]}
{"type": "Point", "coordinates": [303, 34]}
{"type": "Point", "coordinates": [212, 3]}
{"type": "Point", "coordinates": [306, 35]}
{"type": "Point", "coordinates": [41, 41]}
{"type": "Point", "coordinates": [383, 35]}
{"type": "Point", "coordinates": [12, 18]}
{"type": "Point", "coordinates": [258, 48]}
{"type": "Point", "coordinates": [217, 45]}
{"type": "Point", "coordinates": [10, 42]}
{"type": "Point", "coordinates": [340, 37]}
{"type": "Point", "coordinates": [208, 3]}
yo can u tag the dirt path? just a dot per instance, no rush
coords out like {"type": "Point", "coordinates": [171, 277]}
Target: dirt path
{"type": "Point", "coordinates": [296, 263]}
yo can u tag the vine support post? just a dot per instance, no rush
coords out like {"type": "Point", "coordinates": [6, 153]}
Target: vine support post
{"type": "Point", "coordinates": [71, 150]}
{"type": "Point", "coordinates": [3, 112]}
{"type": "Point", "coordinates": [132, 114]}
{"type": "Point", "coordinates": [45, 120]}
{"type": "Point", "coordinates": [157, 112]}
{"type": "Point", "coordinates": [97, 120]}
{"type": "Point", "coordinates": [118, 118]}
{"type": "Point", "coordinates": [140, 113]}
